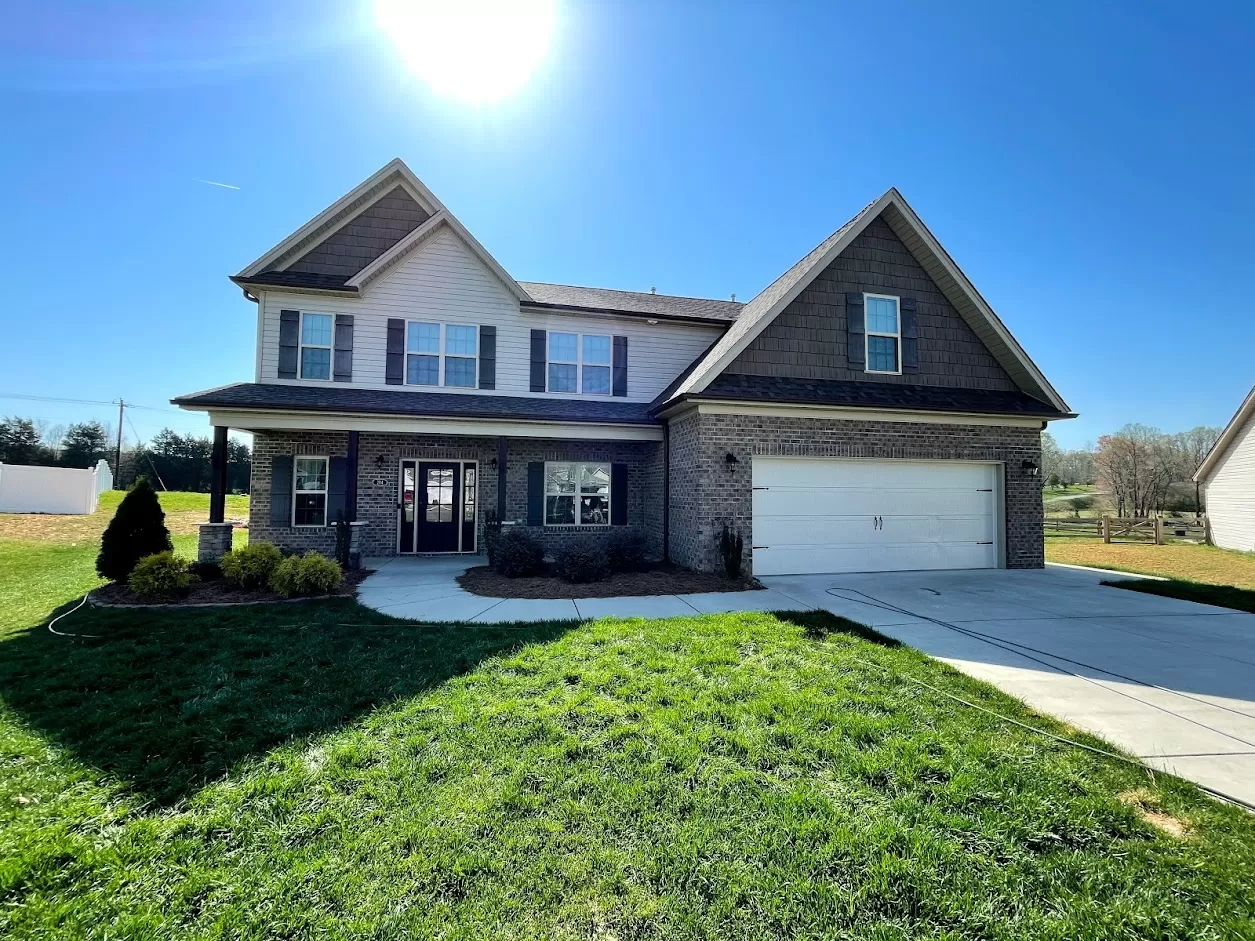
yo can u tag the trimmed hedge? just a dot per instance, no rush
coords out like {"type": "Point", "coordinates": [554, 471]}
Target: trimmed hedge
{"type": "Point", "coordinates": [309, 574]}
{"type": "Point", "coordinates": [251, 566]}
{"type": "Point", "coordinates": [162, 576]}
{"type": "Point", "coordinates": [582, 560]}
{"type": "Point", "coordinates": [518, 553]}
{"type": "Point", "coordinates": [625, 550]}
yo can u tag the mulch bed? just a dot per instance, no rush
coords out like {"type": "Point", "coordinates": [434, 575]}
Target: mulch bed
{"type": "Point", "coordinates": [220, 591]}
{"type": "Point", "coordinates": [660, 580]}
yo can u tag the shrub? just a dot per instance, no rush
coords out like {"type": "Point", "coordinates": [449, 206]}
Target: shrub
{"type": "Point", "coordinates": [1080, 503]}
{"type": "Point", "coordinates": [138, 529]}
{"type": "Point", "coordinates": [205, 571]}
{"type": "Point", "coordinates": [582, 560]}
{"type": "Point", "coordinates": [518, 553]}
{"type": "Point", "coordinates": [161, 577]}
{"type": "Point", "coordinates": [309, 574]}
{"type": "Point", "coordinates": [492, 533]}
{"type": "Point", "coordinates": [252, 566]}
{"type": "Point", "coordinates": [731, 544]}
{"type": "Point", "coordinates": [625, 550]}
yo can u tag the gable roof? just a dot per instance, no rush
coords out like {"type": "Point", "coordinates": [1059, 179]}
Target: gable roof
{"type": "Point", "coordinates": [570, 297]}
{"type": "Point", "coordinates": [963, 296]}
{"type": "Point", "coordinates": [1245, 413]}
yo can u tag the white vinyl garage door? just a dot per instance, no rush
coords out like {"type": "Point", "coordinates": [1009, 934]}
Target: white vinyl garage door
{"type": "Point", "coordinates": [819, 515]}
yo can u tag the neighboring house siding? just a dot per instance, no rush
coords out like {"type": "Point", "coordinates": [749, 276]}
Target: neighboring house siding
{"type": "Point", "coordinates": [354, 246]}
{"type": "Point", "coordinates": [808, 339]}
{"type": "Point", "coordinates": [705, 495]}
{"type": "Point", "coordinates": [379, 484]}
{"type": "Point", "coordinates": [1231, 494]}
{"type": "Point", "coordinates": [444, 282]}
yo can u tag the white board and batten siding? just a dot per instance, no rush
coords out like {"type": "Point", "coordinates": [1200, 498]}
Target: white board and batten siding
{"type": "Point", "coordinates": [1231, 494]}
{"type": "Point", "coordinates": [443, 282]}
{"type": "Point", "coordinates": [827, 515]}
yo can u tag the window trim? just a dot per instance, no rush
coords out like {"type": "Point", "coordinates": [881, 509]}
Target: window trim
{"type": "Point", "coordinates": [440, 355]}
{"type": "Point", "coordinates": [545, 495]}
{"type": "Point", "coordinates": [326, 460]}
{"type": "Point", "coordinates": [578, 363]}
{"type": "Point", "coordinates": [868, 333]}
{"type": "Point", "coordinates": [302, 346]}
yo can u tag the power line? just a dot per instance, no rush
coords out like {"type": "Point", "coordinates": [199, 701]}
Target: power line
{"type": "Point", "coordinates": [53, 398]}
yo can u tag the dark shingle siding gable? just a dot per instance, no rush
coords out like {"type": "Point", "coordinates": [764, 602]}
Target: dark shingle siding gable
{"type": "Point", "coordinates": [375, 230]}
{"type": "Point", "coordinates": [807, 340]}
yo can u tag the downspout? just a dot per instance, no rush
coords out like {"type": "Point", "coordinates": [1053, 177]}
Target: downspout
{"type": "Point", "coordinates": [666, 492]}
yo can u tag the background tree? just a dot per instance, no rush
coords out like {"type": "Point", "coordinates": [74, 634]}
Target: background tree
{"type": "Point", "coordinates": [84, 444]}
{"type": "Point", "coordinates": [1192, 447]}
{"type": "Point", "coordinates": [1051, 458]}
{"type": "Point", "coordinates": [21, 443]}
{"type": "Point", "coordinates": [1136, 465]}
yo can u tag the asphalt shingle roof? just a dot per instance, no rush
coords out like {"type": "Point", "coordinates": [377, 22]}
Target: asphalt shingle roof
{"type": "Point", "coordinates": [632, 302]}
{"type": "Point", "coordinates": [298, 279]}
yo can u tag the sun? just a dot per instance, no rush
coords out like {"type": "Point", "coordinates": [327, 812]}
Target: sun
{"type": "Point", "coordinates": [477, 51]}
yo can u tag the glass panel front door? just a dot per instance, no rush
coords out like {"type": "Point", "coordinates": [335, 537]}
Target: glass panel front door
{"type": "Point", "coordinates": [437, 508]}
{"type": "Point", "coordinates": [409, 515]}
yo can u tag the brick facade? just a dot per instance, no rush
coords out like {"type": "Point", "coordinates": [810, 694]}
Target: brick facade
{"type": "Point", "coordinates": [705, 494]}
{"type": "Point", "coordinates": [379, 468]}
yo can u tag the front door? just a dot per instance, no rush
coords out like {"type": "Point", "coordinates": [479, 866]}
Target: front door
{"type": "Point", "coordinates": [437, 506]}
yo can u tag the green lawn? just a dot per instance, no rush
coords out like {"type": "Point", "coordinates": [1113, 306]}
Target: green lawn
{"type": "Point", "coordinates": [319, 771]}
{"type": "Point", "coordinates": [1185, 561]}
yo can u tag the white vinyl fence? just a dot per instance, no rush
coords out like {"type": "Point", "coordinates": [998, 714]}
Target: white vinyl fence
{"type": "Point", "coordinates": [26, 489]}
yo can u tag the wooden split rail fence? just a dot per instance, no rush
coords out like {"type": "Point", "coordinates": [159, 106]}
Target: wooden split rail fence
{"type": "Point", "coordinates": [1149, 530]}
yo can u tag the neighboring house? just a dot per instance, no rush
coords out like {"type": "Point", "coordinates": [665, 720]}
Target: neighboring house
{"type": "Point", "coordinates": [1228, 475]}
{"type": "Point", "coordinates": [866, 411]}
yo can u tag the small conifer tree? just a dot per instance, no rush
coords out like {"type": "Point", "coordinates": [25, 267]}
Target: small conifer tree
{"type": "Point", "coordinates": [138, 529]}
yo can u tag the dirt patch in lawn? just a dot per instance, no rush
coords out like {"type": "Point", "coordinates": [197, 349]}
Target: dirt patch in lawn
{"type": "Point", "coordinates": [662, 580]}
{"type": "Point", "coordinates": [184, 514]}
{"type": "Point", "coordinates": [220, 591]}
{"type": "Point", "coordinates": [1147, 807]}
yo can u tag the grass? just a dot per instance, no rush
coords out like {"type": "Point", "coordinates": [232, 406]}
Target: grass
{"type": "Point", "coordinates": [320, 771]}
{"type": "Point", "coordinates": [1071, 490]}
{"type": "Point", "coordinates": [47, 560]}
{"type": "Point", "coordinates": [1222, 596]}
{"type": "Point", "coordinates": [1183, 561]}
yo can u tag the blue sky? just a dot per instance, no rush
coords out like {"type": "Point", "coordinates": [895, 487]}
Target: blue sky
{"type": "Point", "coordinates": [1087, 164]}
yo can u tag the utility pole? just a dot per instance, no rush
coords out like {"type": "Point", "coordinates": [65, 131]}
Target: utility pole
{"type": "Point", "coordinates": [117, 454]}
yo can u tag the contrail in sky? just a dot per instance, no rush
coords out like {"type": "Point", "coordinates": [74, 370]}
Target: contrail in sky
{"type": "Point", "coordinates": [225, 186]}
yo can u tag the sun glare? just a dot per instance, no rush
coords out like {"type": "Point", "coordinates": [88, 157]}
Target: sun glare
{"type": "Point", "coordinates": [474, 50]}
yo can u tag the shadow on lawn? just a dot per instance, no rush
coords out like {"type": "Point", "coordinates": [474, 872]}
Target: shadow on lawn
{"type": "Point", "coordinates": [170, 700]}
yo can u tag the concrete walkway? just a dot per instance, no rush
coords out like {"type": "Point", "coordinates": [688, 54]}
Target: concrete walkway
{"type": "Point", "coordinates": [1170, 681]}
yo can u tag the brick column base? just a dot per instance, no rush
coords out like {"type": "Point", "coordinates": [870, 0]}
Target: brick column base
{"type": "Point", "coordinates": [214, 542]}
{"type": "Point", "coordinates": [357, 532]}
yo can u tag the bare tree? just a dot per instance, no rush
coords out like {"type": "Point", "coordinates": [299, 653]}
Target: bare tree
{"type": "Point", "coordinates": [1137, 464]}
{"type": "Point", "coordinates": [1192, 447]}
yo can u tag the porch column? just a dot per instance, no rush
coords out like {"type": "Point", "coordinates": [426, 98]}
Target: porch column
{"type": "Point", "coordinates": [503, 453]}
{"type": "Point", "coordinates": [218, 476]}
{"type": "Point", "coordinates": [350, 482]}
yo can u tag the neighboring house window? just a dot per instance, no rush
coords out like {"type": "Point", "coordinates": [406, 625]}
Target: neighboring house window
{"type": "Point", "coordinates": [884, 333]}
{"type": "Point", "coordinates": [577, 494]}
{"type": "Point", "coordinates": [316, 333]}
{"type": "Point", "coordinates": [426, 366]}
{"type": "Point", "coordinates": [579, 363]}
{"type": "Point", "coordinates": [309, 491]}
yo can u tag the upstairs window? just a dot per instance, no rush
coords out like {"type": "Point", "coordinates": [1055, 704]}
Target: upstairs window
{"type": "Point", "coordinates": [427, 365]}
{"type": "Point", "coordinates": [884, 333]}
{"type": "Point", "coordinates": [316, 334]}
{"type": "Point", "coordinates": [577, 494]}
{"type": "Point", "coordinates": [579, 363]}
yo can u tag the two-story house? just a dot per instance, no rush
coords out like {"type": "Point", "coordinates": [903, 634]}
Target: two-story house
{"type": "Point", "coordinates": [866, 411]}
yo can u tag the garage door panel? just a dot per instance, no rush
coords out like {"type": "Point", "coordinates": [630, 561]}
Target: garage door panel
{"type": "Point", "coordinates": [837, 502]}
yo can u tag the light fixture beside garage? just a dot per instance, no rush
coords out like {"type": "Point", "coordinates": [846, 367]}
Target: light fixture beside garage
{"type": "Point", "coordinates": [731, 461]}
{"type": "Point", "coordinates": [1030, 467]}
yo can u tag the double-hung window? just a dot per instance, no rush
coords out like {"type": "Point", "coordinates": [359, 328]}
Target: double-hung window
{"type": "Point", "coordinates": [884, 333]}
{"type": "Point", "coordinates": [316, 334]}
{"type": "Point", "coordinates": [577, 494]}
{"type": "Point", "coordinates": [309, 491]}
{"type": "Point", "coordinates": [579, 363]}
{"type": "Point", "coordinates": [441, 355]}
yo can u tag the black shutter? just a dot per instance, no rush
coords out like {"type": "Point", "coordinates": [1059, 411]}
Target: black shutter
{"type": "Point", "coordinates": [343, 369]}
{"type": "Point", "coordinates": [289, 329]}
{"type": "Point", "coordinates": [620, 366]}
{"type": "Point", "coordinates": [488, 357]}
{"type": "Point", "coordinates": [910, 334]}
{"type": "Point", "coordinates": [536, 492]}
{"type": "Point", "coordinates": [395, 369]}
{"type": "Point", "coordinates": [281, 490]}
{"type": "Point", "coordinates": [618, 494]}
{"type": "Point", "coordinates": [855, 332]}
{"type": "Point", "coordinates": [540, 353]}
{"type": "Point", "coordinates": [337, 487]}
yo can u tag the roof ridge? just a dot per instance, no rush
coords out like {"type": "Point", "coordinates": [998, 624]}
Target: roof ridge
{"type": "Point", "coordinates": [681, 297]}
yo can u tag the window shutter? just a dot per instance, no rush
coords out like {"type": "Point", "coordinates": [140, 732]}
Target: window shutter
{"type": "Point", "coordinates": [488, 357]}
{"type": "Point", "coordinates": [395, 368]}
{"type": "Point", "coordinates": [855, 333]}
{"type": "Point", "coordinates": [337, 487]}
{"type": "Point", "coordinates": [281, 490]}
{"type": "Point", "coordinates": [535, 493]}
{"type": "Point", "coordinates": [289, 328]}
{"type": "Point", "coordinates": [343, 369]}
{"type": "Point", "coordinates": [910, 334]}
{"type": "Point", "coordinates": [620, 366]}
{"type": "Point", "coordinates": [618, 494]}
{"type": "Point", "coordinates": [540, 354]}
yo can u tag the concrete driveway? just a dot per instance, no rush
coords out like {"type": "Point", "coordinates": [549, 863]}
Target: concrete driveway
{"type": "Point", "coordinates": [1170, 681]}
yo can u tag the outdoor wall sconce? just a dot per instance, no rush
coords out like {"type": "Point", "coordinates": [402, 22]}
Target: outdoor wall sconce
{"type": "Point", "coordinates": [1029, 468]}
{"type": "Point", "coordinates": [380, 461]}
{"type": "Point", "coordinates": [493, 463]}
{"type": "Point", "coordinates": [730, 460]}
